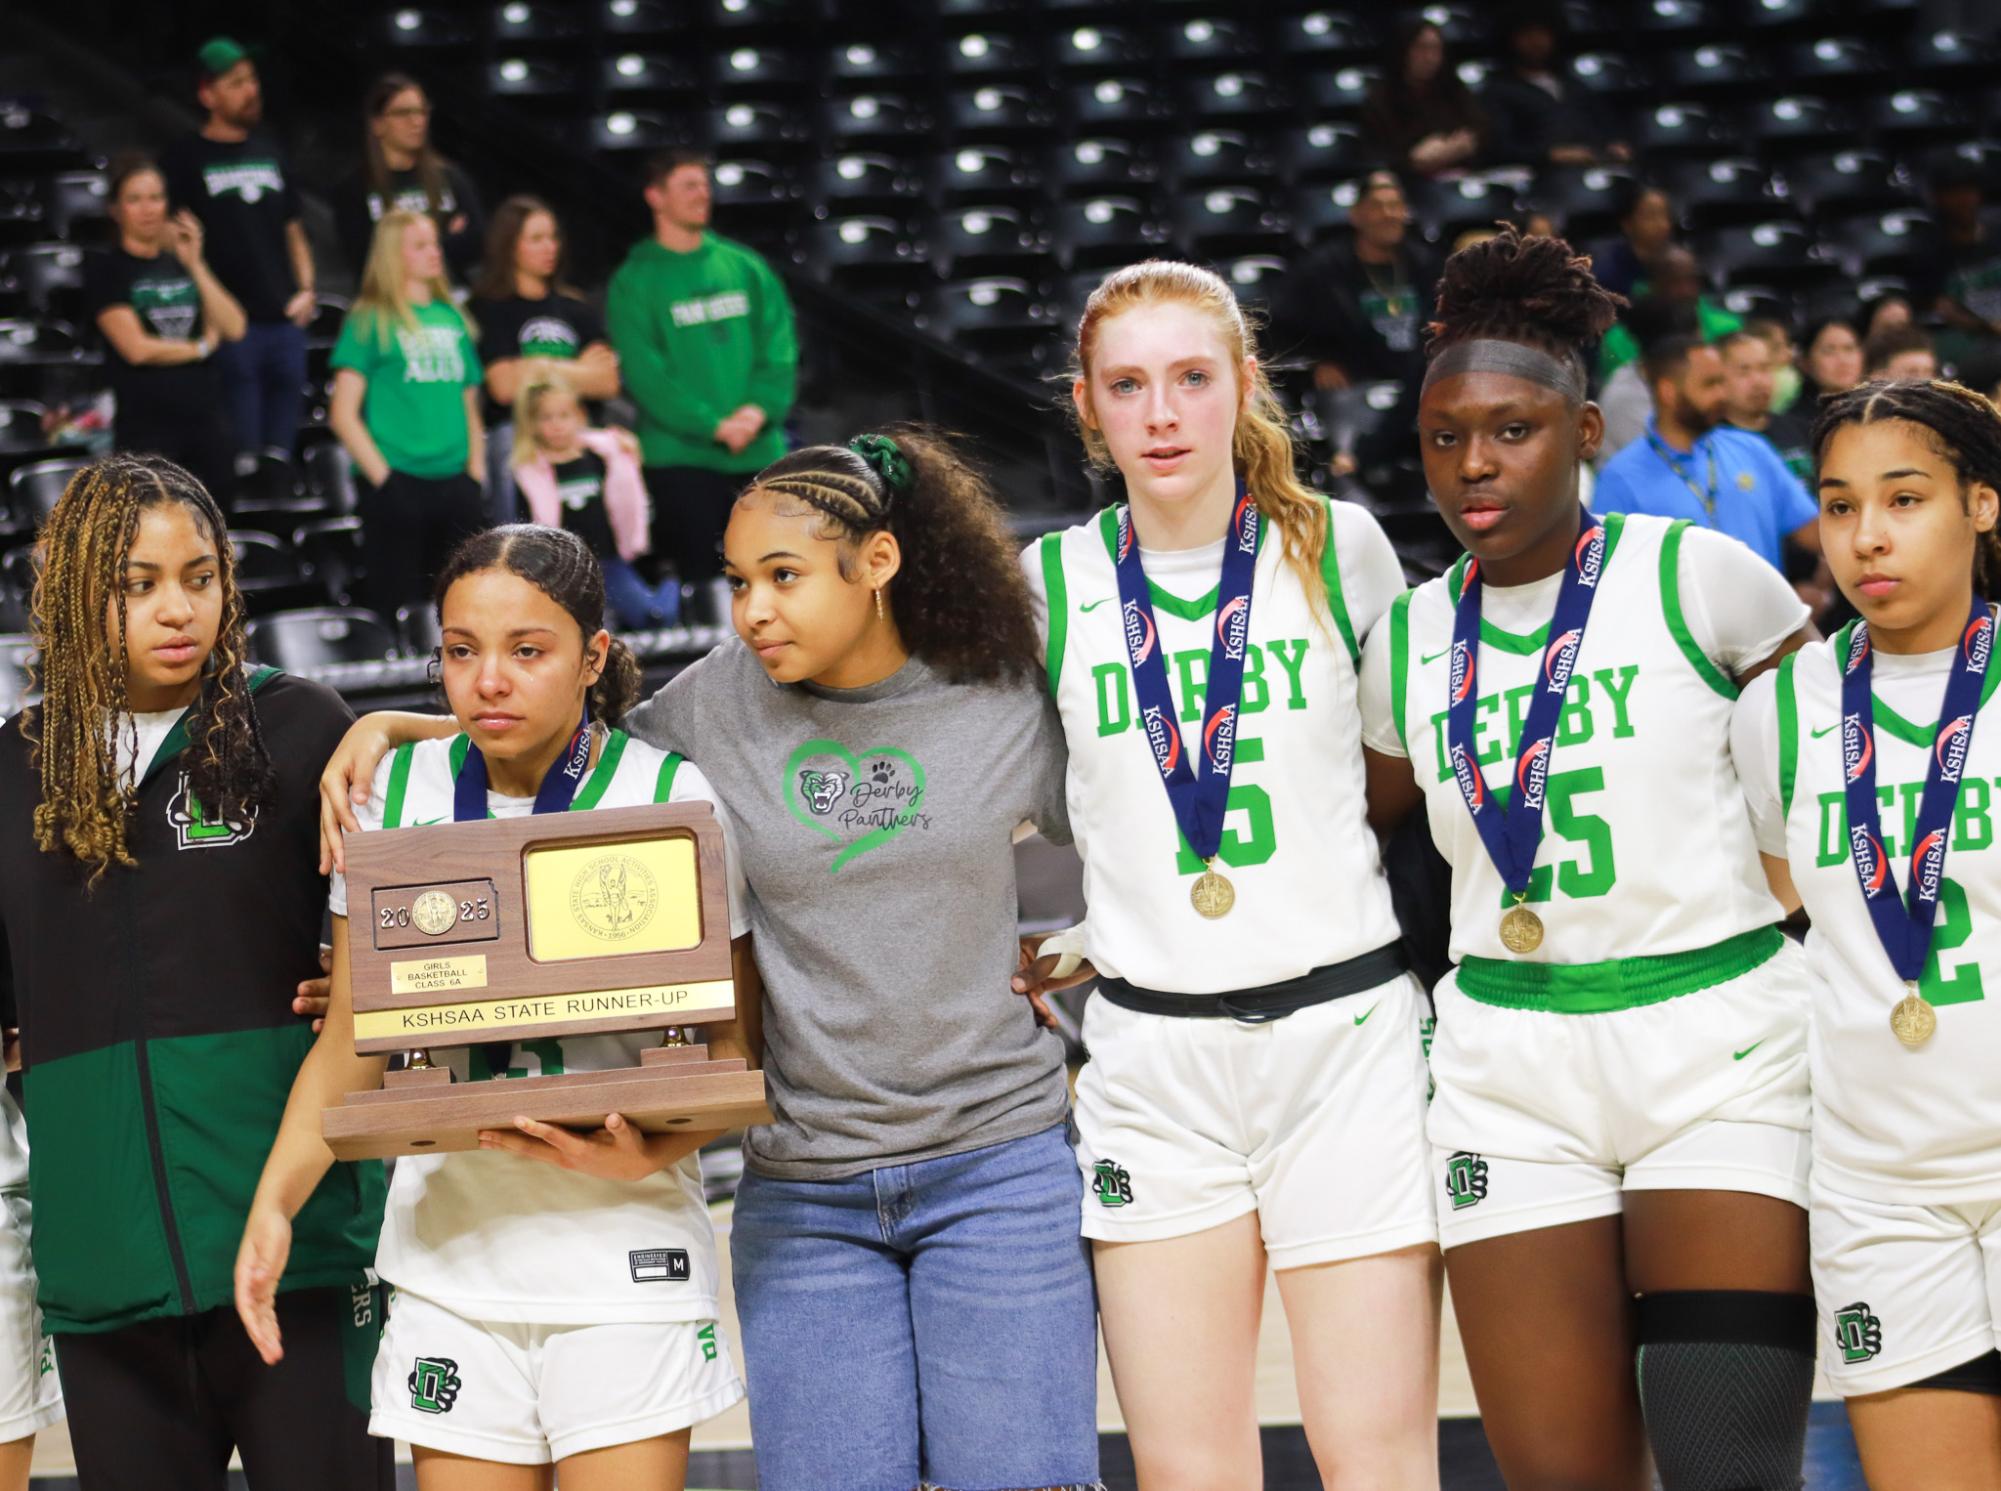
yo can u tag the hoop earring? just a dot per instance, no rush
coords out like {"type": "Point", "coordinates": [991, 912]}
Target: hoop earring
{"type": "Point", "coordinates": [880, 614]}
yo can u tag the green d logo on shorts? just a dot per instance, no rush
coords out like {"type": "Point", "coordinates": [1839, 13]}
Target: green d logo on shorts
{"type": "Point", "coordinates": [1111, 1184]}
{"type": "Point", "coordinates": [1858, 1333]}
{"type": "Point", "coordinates": [1466, 1180]}
{"type": "Point", "coordinates": [434, 1385]}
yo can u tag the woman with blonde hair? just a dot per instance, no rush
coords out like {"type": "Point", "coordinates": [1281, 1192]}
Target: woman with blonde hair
{"type": "Point", "coordinates": [406, 407]}
{"type": "Point", "coordinates": [1255, 1092]}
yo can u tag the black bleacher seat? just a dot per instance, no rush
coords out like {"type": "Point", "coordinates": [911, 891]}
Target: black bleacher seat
{"type": "Point", "coordinates": [1666, 19]}
{"type": "Point", "coordinates": [1949, 57]}
{"type": "Point", "coordinates": [868, 251]}
{"type": "Point", "coordinates": [50, 275]}
{"type": "Point", "coordinates": [1709, 70]}
{"type": "Point", "coordinates": [264, 561]}
{"type": "Point", "coordinates": [1584, 200]}
{"type": "Point", "coordinates": [315, 636]}
{"type": "Point", "coordinates": [1324, 152]}
{"type": "Point", "coordinates": [1796, 122]}
{"type": "Point", "coordinates": [1101, 232]}
{"type": "Point", "coordinates": [999, 112]}
{"type": "Point", "coordinates": [1210, 156]}
{"type": "Point", "coordinates": [1777, 253]}
{"type": "Point", "coordinates": [751, 127]}
{"type": "Point", "coordinates": [330, 554]}
{"type": "Point", "coordinates": [988, 55]}
{"type": "Point", "coordinates": [522, 22]}
{"type": "Point", "coordinates": [1100, 166]}
{"type": "Point", "coordinates": [1124, 105]}
{"type": "Point", "coordinates": [985, 171]}
{"type": "Point", "coordinates": [1780, 15]}
{"type": "Point", "coordinates": [623, 133]}
{"type": "Point", "coordinates": [1100, 51]}
{"type": "Point", "coordinates": [753, 194]}
{"type": "Point", "coordinates": [636, 78]}
{"type": "Point", "coordinates": [546, 82]}
{"type": "Point", "coordinates": [1338, 94]}
{"type": "Point", "coordinates": [33, 490]}
{"type": "Point", "coordinates": [1748, 302]}
{"type": "Point", "coordinates": [1444, 209]}
{"type": "Point", "coordinates": [1327, 36]}
{"type": "Point", "coordinates": [863, 181]}
{"type": "Point", "coordinates": [1831, 62]}
{"type": "Point", "coordinates": [873, 118]}
{"type": "Point", "coordinates": [417, 630]}
{"type": "Point", "coordinates": [1322, 209]}
{"type": "Point", "coordinates": [1608, 74]}
{"type": "Point", "coordinates": [1913, 117]}
{"type": "Point", "coordinates": [645, 18]}
{"type": "Point", "coordinates": [1721, 190]}
{"type": "Point", "coordinates": [1233, 98]}
{"type": "Point", "coordinates": [859, 66]}
{"type": "Point", "coordinates": [1888, 243]}
{"type": "Point", "coordinates": [1679, 128]}
{"type": "Point", "coordinates": [1254, 277]}
{"type": "Point", "coordinates": [76, 206]}
{"type": "Point", "coordinates": [32, 141]}
{"type": "Point", "coordinates": [756, 72]}
{"type": "Point", "coordinates": [1841, 183]}
{"type": "Point", "coordinates": [996, 315]}
{"type": "Point", "coordinates": [436, 30]}
{"type": "Point", "coordinates": [1209, 42]}
{"type": "Point", "coordinates": [1225, 221]}
{"type": "Point", "coordinates": [987, 239]}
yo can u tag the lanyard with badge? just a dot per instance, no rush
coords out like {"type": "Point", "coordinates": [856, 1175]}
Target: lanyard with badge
{"type": "Point", "coordinates": [1512, 834]}
{"type": "Point", "coordinates": [1199, 803]}
{"type": "Point", "coordinates": [1904, 923]}
{"type": "Point", "coordinates": [1705, 495]}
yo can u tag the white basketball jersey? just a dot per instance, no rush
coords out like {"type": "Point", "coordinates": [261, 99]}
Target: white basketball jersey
{"type": "Point", "coordinates": [1645, 848]}
{"type": "Point", "coordinates": [492, 1236]}
{"type": "Point", "coordinates": [1890, 1123]}
{"type": "Point", "coordinates": [1296, 845]}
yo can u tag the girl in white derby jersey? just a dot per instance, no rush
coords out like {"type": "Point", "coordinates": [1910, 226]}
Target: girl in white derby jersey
{"type": "Point", "coordinates": [1620, 1059]}
{"type": "Point", "coordinates": [1255, 1091]}
{"type": "Point", "coordinates": [1871, 762]}
{"type": "Point", "coordinates": [520, 1335]}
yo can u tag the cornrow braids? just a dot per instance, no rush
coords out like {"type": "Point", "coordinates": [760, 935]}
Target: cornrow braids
{"type": "Point", "coordinates": [1961, 424]}
{"type": "Point", "coordinates": [959, 600]}
{"type": "Point", "coordinates": [1534, 290]}
{"type": "Point", "coordinates": [82, 675]}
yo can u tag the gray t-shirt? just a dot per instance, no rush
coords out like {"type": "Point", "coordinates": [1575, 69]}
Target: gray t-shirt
{"type": "Point", "coordinates": [875, 828]}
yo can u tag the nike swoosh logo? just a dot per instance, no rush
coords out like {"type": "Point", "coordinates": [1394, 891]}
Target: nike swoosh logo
{"type": "Point", "coordinates": [1816, 734]}
{"type": "Point", "coordinates": [1431, 657]}
{"type": "Point", "coordinates": [1366, 1013]}
{"type": "Point", "coordinates": [425, 822]}
{"type": "Point", "coordinates": [1740, 1055]}
{"type": "Point", "coordinates": [1094, 605]}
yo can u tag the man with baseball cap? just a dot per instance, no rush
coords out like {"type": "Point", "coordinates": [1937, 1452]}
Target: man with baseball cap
{"type": "Point", "coordinates": [234, 178]}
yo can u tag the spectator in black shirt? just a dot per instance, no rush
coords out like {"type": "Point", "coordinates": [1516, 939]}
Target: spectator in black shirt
{"type": "Point", "coordinates": [238, 183]}
{"type": "Point", "coordinates": [1646, 227]}
{"type": "Point", "coordinates": [401, 171]}
{"type": "Point", "coordinates": [1538, 117]}
{"type": "Point", "coordinates": [528, 320]}
{"type": "Point", "coordinates": [1355, 307]}
{"type": "Point", "coordinates": [1420, 115]}
{"type": "Point", "coordinates": [163, 313]}
{"type": "Point", "coordinates": [1960, 275]}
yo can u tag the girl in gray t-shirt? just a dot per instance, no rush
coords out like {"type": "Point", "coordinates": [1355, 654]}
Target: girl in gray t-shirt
{"type": "Point", "coordinates": [914, 1293]}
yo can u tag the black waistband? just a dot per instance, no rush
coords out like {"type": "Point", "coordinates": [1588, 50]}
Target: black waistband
{"type": "Point", "coordinates": [1273, 1001]}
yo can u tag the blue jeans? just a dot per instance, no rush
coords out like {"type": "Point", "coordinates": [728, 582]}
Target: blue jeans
{"type": "Point", "coordinates": [635, 605]}
{"type": "Point", "coordinates": [931, 1322]}
{"type": "Point", "coordinates": [264, 385]}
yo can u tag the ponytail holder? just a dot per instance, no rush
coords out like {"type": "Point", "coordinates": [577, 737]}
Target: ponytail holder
{"type": "Point", "coordinates": [884, 457]}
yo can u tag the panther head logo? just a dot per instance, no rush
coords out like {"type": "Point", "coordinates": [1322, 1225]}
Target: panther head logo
{"type": "Point", "coordinates": [823, 789]}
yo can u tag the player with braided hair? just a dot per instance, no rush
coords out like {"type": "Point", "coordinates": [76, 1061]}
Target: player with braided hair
{"type": "Point", "coordinates": [1891, 713]}
{"type": "Point", "coordinates": [157, 894]}
{"type": "Point", "coordinates": [1621, 1104]}
{"type": "Point", "coordinates": [916, 1303]}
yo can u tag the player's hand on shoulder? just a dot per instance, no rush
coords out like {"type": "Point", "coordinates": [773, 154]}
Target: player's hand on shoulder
{"type": "Point", "coordinates": [349, 773]}
{"type": "Point", "coordinates": [260, 1264]}
{"type": "Point", "coordinates": [618, 1151]}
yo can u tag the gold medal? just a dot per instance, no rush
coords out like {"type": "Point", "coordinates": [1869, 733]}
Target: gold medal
{"type": "Point", "coordinates": [1521, 929]}
{"type": "Point", "coordinates": [1913, 1020]}
{"type": "Point", "coordinates": [1212, 895]}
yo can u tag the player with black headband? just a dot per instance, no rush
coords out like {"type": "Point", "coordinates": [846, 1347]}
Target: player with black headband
{"type": "Point", "coordinates": [1870, 761]}
{"type": "Point", "coordinates": [1620, 1061]}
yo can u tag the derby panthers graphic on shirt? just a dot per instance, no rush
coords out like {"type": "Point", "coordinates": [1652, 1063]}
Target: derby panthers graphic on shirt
{"type": "Point", "coordinates": [195, 828]}
{"type": "Point", "coordinates": [1858, 1333]}
{"type": "Point", "coordinates": [1466, 1180]}
{"type": "Point", "coordinates": [860, 800]}
{"type": "Point", "coordinates": [168, 304]}
{"type": "Point", "coordinates": [434, 1384]}
{"type": "Point", "coordinates": [547, 336]}
{"type": "Point", "coordinates": [1111, 1183]}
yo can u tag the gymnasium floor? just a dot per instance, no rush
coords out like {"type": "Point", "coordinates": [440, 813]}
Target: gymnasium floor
{"type": "Point", "coordinates": [722, 1461]}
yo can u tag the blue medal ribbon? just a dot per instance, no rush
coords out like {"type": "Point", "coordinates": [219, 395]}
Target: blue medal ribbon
{"type": "Point", "coordinates": [1198, 801]}
{"type": "Point", "coordinates": [559, 782]}
{"type": "Point", "coordinates": [1514, 833]}
{"type": "Point", "coordinates": [1904, 924]}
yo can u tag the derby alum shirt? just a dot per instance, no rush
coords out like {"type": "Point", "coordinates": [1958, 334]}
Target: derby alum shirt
{"type": "Point", "coordinates": [490, 1235]}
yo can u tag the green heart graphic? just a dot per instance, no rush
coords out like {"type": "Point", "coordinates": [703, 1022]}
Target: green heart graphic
{"type": "Point", "coordinates": [875, 838]}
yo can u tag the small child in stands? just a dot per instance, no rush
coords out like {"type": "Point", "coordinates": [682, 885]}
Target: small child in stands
{"type": "Point", "coordinates": [587, 481]}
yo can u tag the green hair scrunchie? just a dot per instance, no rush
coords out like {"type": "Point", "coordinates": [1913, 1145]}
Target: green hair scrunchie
{"type": "Point", "coordinates": [886, 459]}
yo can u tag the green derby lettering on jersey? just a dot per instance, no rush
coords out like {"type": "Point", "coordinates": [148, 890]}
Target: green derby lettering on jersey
{"type": "Point", "coordinates": [1972, 832]}
{"type": "Point", "coordinates": [1188, 678]}
{"type": "Point", "coordinates": [859, 799]}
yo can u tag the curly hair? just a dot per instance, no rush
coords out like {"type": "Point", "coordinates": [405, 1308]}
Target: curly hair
{"type": "Point", "coordinates": [560, 565]}
{"type": "Point", "coordinates": [86, 801]}
{"type": "Point", "coordinates": [1261, 447]}
{"type": "Point", "coordinates": [1533, 290]}
{"type": "Point", "coordinates": [959, 601]}
{"type": "Point", "coordinates": [1961, 425]}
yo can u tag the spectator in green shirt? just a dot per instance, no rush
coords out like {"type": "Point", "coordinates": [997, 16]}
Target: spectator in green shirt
{"type": "Point", "coordinates": [1673, 275]}
{"type": "Point", "coordinates": [703, 332]}
{"type": "Point", "coordinates": [406, 407]}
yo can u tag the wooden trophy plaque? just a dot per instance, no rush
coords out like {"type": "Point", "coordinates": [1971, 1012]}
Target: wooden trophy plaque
{"type": "Point", "coordinates": [476, 934]}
